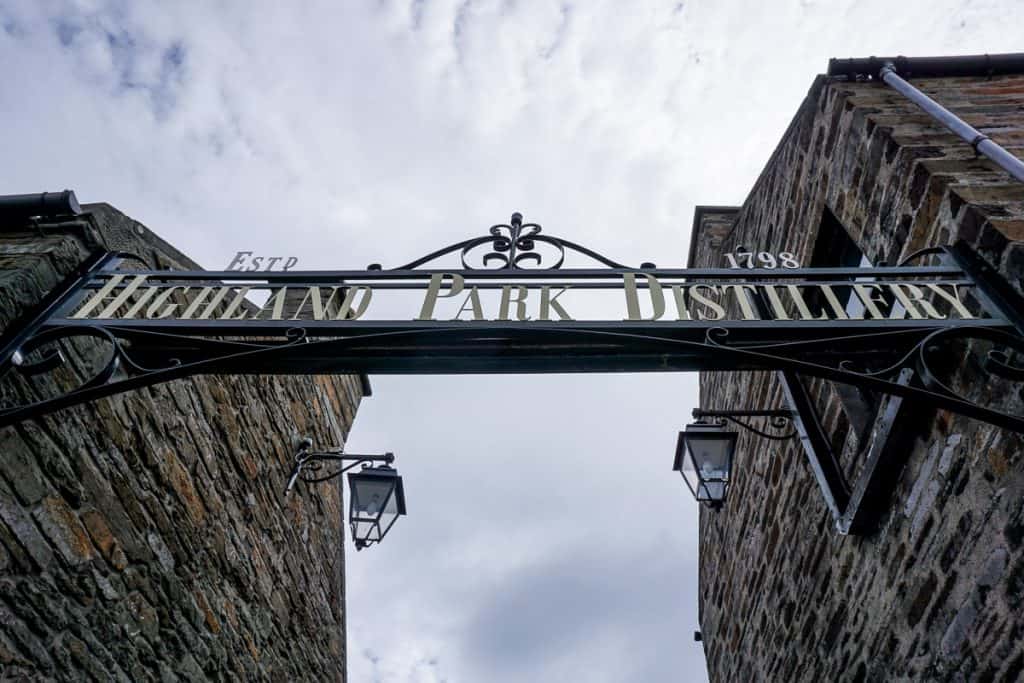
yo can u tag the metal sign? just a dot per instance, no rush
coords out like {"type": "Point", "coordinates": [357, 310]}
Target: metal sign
{"type": "Point", "coordinates": [512, 305]}
{"type": "Point", "coordinates": [656, 296]}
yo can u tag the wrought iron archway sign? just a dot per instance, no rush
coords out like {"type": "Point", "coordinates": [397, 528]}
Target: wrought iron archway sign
{"type": "Point", "coordinates": [512, 305]}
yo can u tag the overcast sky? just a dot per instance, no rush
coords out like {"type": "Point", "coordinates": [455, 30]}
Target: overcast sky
{"type": "Point", "coordinates": [547, 539]}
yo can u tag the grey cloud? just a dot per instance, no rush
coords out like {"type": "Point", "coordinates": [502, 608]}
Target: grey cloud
{"type": "Point", "coordinates": [352, 133]}
{"type": "Point", "coordinates": [563, 606]}
{"type": "Point", "coordinates": [66, 30]}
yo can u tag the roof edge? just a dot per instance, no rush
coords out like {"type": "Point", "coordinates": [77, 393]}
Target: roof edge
{"type": "Point", "coordinates": [807, 105]}
{"type": "Point", "coordinates": [698, 219]}
{"type": "Point", "coordinates": [923, 67]}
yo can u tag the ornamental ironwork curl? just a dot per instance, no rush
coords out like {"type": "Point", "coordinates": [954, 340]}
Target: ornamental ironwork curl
{"type": "Point", "coordinates": [310, 465]}
{"type": "Point", "coordinates": [997, 361]}
{"type": "Point", "coordinates": [921, 253]}
{"type": "Point", "coordinates": [312, 472]}
{"type": "Point", "coordinates": [120, 358]}
{"type": "Point", "coordinates": [776, 422]}
{"type": "Point", "coordinates": [926, 356]}
{"type": "Point", "coordinates": [920, 352]}
{"type": "Point", "coordinates": [50, 346]}
{"type": "Point", "coordinates": [512, 246]}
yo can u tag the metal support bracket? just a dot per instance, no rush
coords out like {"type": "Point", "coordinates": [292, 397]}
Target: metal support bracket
{"type": "Point", "coordinates": [308, 464]}
{"type": "Point", "coordinates": [886, 458]}
{"type": "Point", "coordinates": [820, 456]}
{"type": "Point", "coordinates": [23, 329]}
{"type": "Point", "coordinates": [991, 286]}
{"type": "Point", "coordinates": [777, 419]}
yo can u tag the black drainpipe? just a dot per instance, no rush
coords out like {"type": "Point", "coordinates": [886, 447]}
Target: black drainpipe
{"type": "Point", "coordinates": [19, 207]}
{"type": "Point", "coordinates": [889, 69]}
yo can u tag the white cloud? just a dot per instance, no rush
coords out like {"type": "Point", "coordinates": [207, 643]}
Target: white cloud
{"type": "Point", "coordinates": [349, 133]}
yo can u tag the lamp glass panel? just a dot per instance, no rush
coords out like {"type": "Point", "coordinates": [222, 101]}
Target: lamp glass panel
{"type": "Point", "coordinates": [711, 491]}
{"type": "Point", "coordinates": [689, 473]}
{"type": "Point", "coordinates": [370, 496]}
{"type": "Point", "coordinates": [389, 514]}
{"type": "Point", "coordinates": [712, 453]}
{"type": "Point", "coordinates": [364, 530]}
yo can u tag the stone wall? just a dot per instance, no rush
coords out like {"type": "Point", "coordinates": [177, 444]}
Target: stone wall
{"type": "Point", "coordinates": [936, 592]}
{"type": "Point", "coordinates": [145, 536]}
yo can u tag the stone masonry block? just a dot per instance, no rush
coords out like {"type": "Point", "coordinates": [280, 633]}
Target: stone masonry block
{"type": "Point", "coordinates": [64, 530]}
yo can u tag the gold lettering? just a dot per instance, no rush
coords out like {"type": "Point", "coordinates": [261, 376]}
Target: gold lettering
{"type": "Point", "coordinates": [777, 307]}
{"type": "Point", "coordinates": [833, 302]}
{"type": "Point", "coordinates": [276, 305]}
{"type": "Point", "coordinates": [865, 293]}
{"type": "Point", "coordinates": [127, 296]}
{"type": "Point", "coordinates": [682, 313]}
{"type": "Point", "coordinates": [953, 299]}
{"type": "Point", "coordinates": [744, 301]}
{"type": "Point", "coordinates": [633, 297]}
{"type": "Point", "coordinates": [347, 311]}
{"type": "Point", "coordinates": [718, 311]}
{"type": "Point", "coordinates": [139, 303]}
{"type": "Point", "coordinates": [121, 299]}
{"type": "Point", "coordinates": [316, 302]}
{"type": "Point", "coordinates": [200, 299]}
{"type": "Point", "coordinates": [98, 297]}
{"type": "Point", "coordinates": [117, 302]}
{"type": "Point", "coordinates": [434, 292]}
{"type": "Point", "coordinates": [912, 297]}
{"type": "Point", "coordinates": [801, 304]}
{"type": "Point", "coordinates": [473, 299]}
{"type": "Point", "coordinates": [154, 308]}
{"type": "Point", "coordinates": [507, 300]}
{"type": "Point", "coordinates": [235, 304]}
{"type": "Point", "coordinates": [549, 303]}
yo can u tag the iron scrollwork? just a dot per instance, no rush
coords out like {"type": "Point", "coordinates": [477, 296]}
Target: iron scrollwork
{"type": "Point", "coordinates": [116, 364]}
{"type": "Point", "coordinates": [312, 466]}
{"type": "Point", "coordinates": [121, 370]}
{"type": "Point", "coordinates": [928, 355]}
{"type": "Point", "coordinates": [779, 422]}
{"type": "Point", "coordinates": [127, 356]}
{"type": "Point", "coordinates": [512, 246]}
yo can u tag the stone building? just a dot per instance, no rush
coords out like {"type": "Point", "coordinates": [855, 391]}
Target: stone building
{"type": "Point", "coordinates": [933, 589]}
{"type": "Point", "coordinates": [145, 536]}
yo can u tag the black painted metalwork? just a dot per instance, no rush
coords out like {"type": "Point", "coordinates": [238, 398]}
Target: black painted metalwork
{"type": "Point", "coordinates": [22, 330]}
{"type": "Point", "coordinates": [777, 420]}
{"type": "Point", "coordinates": [923, 67]}
{"type": "Point", "coordinates": [310, 465]}
{"type": "Point", "coordinates": [920, 253]}
{"type": "Point", "coordinates": [376, 496]}
{"type": "Point", "coordinates": [511, 246]}
{"type": "Point", "coordinates": [376, 501]}
{"type": "Point", "coordinates": [138, 352]}
{"type": "Point", "coordinates": [19, 207]}
{"type": "Point", "coordinates": [822, 459]}
{"type": "Point", "coordinates": [854, 510]}
{"type": "Point", "coordinates": [886, 456]}
{"type": "Point", "coordinates": [704, 455]}
{"type": "Point", "coordinates": [806, 423]}
{"type": "Point", "coordinates": [803, 422]}
{"type": "Point", "coordinates": [995, 292]}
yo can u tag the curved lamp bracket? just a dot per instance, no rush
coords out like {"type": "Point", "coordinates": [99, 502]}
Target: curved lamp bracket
{"type": "Point", "coordinates": [312, 466]}
{"type": "Point", "coordinates": [777, 420]}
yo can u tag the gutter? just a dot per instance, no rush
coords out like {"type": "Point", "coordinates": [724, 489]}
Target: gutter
{"type": "Point", "coordinates": [927, 67]}
{"type": "Point", "coordinates": [21, 207]}
{"type": "Point", "coordinates": [891, 71]}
